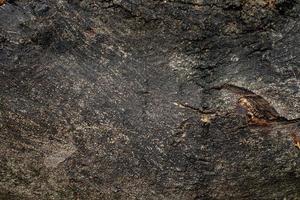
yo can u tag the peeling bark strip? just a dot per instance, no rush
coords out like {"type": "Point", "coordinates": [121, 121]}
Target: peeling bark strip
{"type": "Point", "coordinates": [258, 110]}
{"type": "Point", "coordinates": [90, 96]}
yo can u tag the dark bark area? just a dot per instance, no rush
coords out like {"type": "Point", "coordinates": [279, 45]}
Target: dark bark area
{"type": "Point", "coordinates": [91, 94]}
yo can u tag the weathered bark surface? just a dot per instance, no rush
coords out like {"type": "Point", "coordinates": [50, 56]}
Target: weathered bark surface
{"type": "Point", "coordinates": [90, 90]}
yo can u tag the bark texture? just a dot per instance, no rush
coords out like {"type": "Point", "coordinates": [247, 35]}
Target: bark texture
{"type": "Point", "coordinates": [91, 96]}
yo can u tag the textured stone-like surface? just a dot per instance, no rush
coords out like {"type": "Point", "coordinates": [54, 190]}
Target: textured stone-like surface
{"type": "Point", "coordinates": [90, 93]}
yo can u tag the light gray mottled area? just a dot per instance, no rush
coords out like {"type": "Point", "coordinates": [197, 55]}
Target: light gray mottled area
{"type": "Point", "coordinates": [91, 90]}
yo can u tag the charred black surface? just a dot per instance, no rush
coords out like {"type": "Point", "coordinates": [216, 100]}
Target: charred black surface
{"type": "Point", "coordinates": [90, 89]}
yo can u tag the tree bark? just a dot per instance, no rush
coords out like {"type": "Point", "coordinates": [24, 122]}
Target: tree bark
{"type": "Point", "coordinates": [104, 99]}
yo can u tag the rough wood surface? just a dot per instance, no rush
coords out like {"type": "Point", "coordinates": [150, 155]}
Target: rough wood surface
{"type": "Point", "coordinates": [97, 98]}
